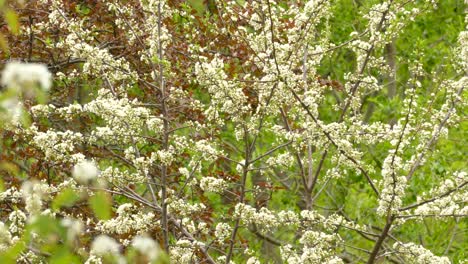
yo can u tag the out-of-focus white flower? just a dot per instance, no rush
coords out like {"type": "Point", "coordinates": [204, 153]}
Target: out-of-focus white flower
{"type": "Point", "coordinates": [32, 195]}
{"type": "Point", "coordinates": [85, 172]}
{"type": "Point", "coordinates": [5, 237]}
{"type": "Point", "coordinates": [146, 246]}
{"type": "Point", "coordinates": [253, 260]}
{"type": "Point", "coordinates": [103, 245]}
{"type": "Point", "coordinates": [13, 109]}
{"type": "Point", "coordinates": [18, 75]}
{"type": "Point", "coordinates": [74, 227]}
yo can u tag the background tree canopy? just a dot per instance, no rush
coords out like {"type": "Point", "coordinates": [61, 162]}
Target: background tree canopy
{"type": "Point", "coordinates": [253, 132]}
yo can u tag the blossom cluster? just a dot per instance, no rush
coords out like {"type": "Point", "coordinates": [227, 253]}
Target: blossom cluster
{"type": "Point", "coordinates": [245, 132]}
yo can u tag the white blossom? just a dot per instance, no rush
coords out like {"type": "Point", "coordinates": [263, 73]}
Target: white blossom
{"type": "Point", "coordinates": [146, 246]}
{"type": "Point", "coordinates": [85, 172]}
{"type": "Point", "coordinates": [222, 231]}
{"type": "Point", "coordinates": [14, 110]}
{"type": "Point", "coordinates": [212, 184]}
{"type": "Point", "coordinates": [32, 194]}
{"type": "Point", "coordinates": [419, 255]}
{"type": "Point", "coordinates": [103, 245]}
{"type": "Point", "coordinates": [129, 220]}
{"type": "Point", "coordinates": [5, 237]}
{"type": "Point", "coordinates": [74, 227]}
{"type": "Point", "coordinates": [24, 76]}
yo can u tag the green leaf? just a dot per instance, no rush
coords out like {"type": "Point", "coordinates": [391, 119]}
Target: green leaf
{"type": "Point", "coordinates": [41, 96]}
{"type": "Point", "coordinates": [9, 167]}
{"type": "Point", "coordinates": [197, 5]}
{"type": "Point", "coordinates": [46, 227]}
{"type": "Point", "coordinates": [101, 205]}
{"type": "Point", "coordinates": [25, 119]}
{"type": "Point", "coordinates": [12, 253]}
{"type": "Point", "coordinates": [63, 256]}
{"type": "Point", "coordinates": [12, 19]}
{"type": "Point", "coordinates": [3, 44]}
{"type": "Point", "coordinates": [82, 9]}
{"type": "Point", "coordinates": [163, 258]}
{"type": "Point", "coordinates": [66, 198]}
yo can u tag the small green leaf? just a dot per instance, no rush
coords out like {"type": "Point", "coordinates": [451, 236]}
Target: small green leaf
{"type": "Point", "coordinates": [44, 224]}
{"type": "Point", "coordinates": [48, 228]}
{"type": "Point", "coordinates": [66, 198]}
{"type": "Point", "coordinates": [4, 44]}
{"type": "Point", "coordinates": [101, 205]}
{"type": "Point", "coordinates": [62, 255]}
{"type": "Point", "coordinates": [82, 9]}
{"type": "Point", "coordinates": [12, 19]}
{"type": "Point", "coordinates": [163, 258]}
{"type": "Point", "coordinates": [41, 96]}
{"type": "Point", "coordinates": [25, 119]}
{"type": "Point", "coordinates": [197, 5]}
{"type": "Point", "coordinates": [11, 254]}
{"type": "Point", "coordinates": [9, 167]}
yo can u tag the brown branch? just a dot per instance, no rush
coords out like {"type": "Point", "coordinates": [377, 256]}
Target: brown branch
{"type": "Point", "coordinates": [380, 240]}
{"type": "Point", "coordinates": [433, 199]}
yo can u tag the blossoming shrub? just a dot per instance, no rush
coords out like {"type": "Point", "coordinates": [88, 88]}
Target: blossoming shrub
{"type": "Point", "coordinates": [235, 132]}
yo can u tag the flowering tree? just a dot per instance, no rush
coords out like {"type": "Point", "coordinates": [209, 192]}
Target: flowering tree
{"type": "Point", "coordinates": [234, 132]}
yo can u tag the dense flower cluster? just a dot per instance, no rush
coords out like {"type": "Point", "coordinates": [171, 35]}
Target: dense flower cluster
{"type": "Point", "coordinates": [232, 134]}
{"type": "Point", "coordinates": [25, 76]}
{"type": "Point", "coordinates": [417, 254]}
